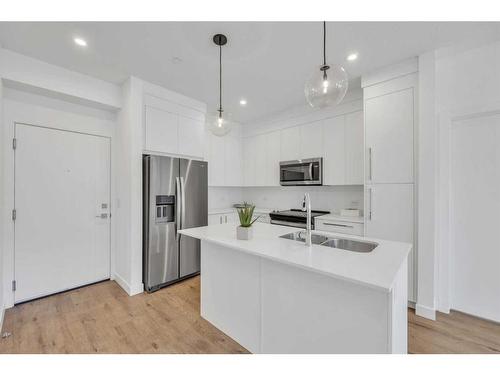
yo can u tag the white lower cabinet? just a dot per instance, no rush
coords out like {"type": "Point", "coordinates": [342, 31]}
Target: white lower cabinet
{"type": "Point", "coordinates": [223, 218]}
{"type": "Point", "coordinates": [389, 215]}
{"type": "Point", "coordinates": [338, 226]}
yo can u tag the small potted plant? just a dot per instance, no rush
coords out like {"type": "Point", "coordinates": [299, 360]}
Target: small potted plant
{"type": "Point", "coordinates": [245, 213]}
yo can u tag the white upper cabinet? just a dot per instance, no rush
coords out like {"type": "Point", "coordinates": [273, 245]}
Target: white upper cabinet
{"type": "Point", "coordinates": [174, 129]}
{"type": "Point", "coordinates": [233, 160]}
{"type": "Point", "coordinates": [389, 137]}
{"type": "Point", "coordinates": [191, 137]}
{"type": "Point", "coordinates": [311, 140]}
{"type": "Point", "coordinates": [290, 144]}
{"type": "Point", "coordinates": [261, 160]}
{"type": "Point", "coordinates": [216, 161]}
{"type": "Point", "coordinates": [334, 151]}
{"type": "Point", "coordinates": [272, 171]}
{"type": "Point", "coordinates": [161, 130]}
{"type": "Point", "coordinates": [354, 145]}
{"type": "Point", "coordinates": [249, 164]}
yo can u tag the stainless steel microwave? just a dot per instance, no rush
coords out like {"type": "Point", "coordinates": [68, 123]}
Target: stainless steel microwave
{"type": "Point", "coordinates": [301, 172]}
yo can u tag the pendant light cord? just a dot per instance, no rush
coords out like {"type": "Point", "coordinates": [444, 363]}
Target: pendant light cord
{"type": "Point", "coordinates": [324, 42]}
{"type": "Point", "coordinates": [220, 81]}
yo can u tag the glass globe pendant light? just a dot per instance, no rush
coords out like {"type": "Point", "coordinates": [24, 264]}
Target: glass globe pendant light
{"type": "Point", "coordinates": [328, 84]}
{"type": "Point", "coordinates": [219, 123]}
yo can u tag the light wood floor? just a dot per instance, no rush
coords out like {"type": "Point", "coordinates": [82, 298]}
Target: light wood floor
{"type": "Point", "coordinates": [102, 318]}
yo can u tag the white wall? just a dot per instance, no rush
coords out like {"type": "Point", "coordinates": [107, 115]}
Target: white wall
{"type": "Point", "coordinates": [2, 210]}
{"type": "Point", "coordinates": [427, 149]}
{"type": "Point", "coordinates": [467, 87]}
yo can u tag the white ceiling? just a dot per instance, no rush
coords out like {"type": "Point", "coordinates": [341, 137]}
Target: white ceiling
{"type": "Point", "coordinates": [265, 62]}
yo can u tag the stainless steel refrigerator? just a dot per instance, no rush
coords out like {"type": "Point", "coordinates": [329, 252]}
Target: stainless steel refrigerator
{"type": "Point", "coordinates": [175, 195]}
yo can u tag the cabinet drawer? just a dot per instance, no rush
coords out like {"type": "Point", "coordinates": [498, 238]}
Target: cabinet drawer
{"type": "Point", "coordinates": [339, 227]}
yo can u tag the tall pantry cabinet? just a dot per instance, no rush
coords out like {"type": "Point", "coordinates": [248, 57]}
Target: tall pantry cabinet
{"type": "Point", "coordinates": [390, 111]}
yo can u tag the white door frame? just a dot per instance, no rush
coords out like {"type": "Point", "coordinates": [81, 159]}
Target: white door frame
{"type": "Point", "coordinates": [16, 112]}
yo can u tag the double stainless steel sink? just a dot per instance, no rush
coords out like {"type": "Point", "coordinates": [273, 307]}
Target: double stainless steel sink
{"type": "Point", "coordinates": [330, 241]}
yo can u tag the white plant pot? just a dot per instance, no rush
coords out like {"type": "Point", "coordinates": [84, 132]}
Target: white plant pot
{"type": "Point", "coordinates": [244, 233]}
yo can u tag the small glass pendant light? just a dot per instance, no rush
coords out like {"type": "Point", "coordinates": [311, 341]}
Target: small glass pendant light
{"type": "Point", "coordinates": [219, 123]}
{"type": "Point", "coordinates": [328, 84]}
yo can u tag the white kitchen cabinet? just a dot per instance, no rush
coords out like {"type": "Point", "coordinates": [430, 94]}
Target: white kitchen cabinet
{"type": "Point", "coordinates": [223, 218]}
{"type": "Point", "coordinates": [249, 163]}
{"type": "Point", "coordinates": [354, 148]}
{"type": "Point", "coordinates": [389, 215]}
{"type": "Point", "coordinates": [339, 226]}
{"type": "Point", "coordinates": [272, 171]}
{"type": "Point", "coordinates": [389, 120]}
{"type": "Point", "coordinates": [290, 144]}
{"type": "Point", "coordinates": [334, 151]}
{"type": "Point", "coordinates": [261, 160]}
{"type": "Point", "coordinates": [233, 160]}
{"type": "Point", "coordinates": [191, 137]}
{"type": "Point", "coordinates": [311, 140]}
{"type": "Point", "coordinates": [216, 161]}
{"type": "Point", "coordinates": [161, 131]}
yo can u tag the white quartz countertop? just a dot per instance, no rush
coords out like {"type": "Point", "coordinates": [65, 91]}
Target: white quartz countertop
{"type": "Point", "coordinates": [376, 269]}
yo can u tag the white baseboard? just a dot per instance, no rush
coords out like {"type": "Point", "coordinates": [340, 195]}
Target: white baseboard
{"type": "Point", "coordinates": [425, 312]}
{"type": "Point", "coordinates": [131, 290]}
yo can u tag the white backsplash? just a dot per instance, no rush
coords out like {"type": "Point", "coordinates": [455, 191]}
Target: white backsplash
{"type": "Point", "coordinates": [329, 198]}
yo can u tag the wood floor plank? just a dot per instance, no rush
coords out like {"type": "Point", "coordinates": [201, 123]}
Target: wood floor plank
{"type": "Point", "coordinates": [102, 318]}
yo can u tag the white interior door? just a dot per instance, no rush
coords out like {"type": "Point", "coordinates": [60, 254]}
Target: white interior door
{"type": "Point", "coordinates": [62, 195]}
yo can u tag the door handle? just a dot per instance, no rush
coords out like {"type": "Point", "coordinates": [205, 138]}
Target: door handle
{"type": "Point", "coordinates": [102, 216]}
{"type": "Point", "coordinates": [183, 205]}
{"type": "Point", "coordinates": [177, 206]}
{"type": "Point", "coordinates": [370, 165]}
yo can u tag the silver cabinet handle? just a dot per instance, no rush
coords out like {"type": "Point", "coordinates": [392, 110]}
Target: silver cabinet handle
{"type": "Point", "coordinates": [102, 216]}
{"type": "Point", "coordinates": [370, 166]}
{"type": "Point", "coordinates": [339, 225]}
{"type": "Point", "coordinates": [370, 213]}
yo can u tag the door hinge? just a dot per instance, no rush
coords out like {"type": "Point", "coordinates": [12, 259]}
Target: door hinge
{"type": "Point", "coordinates": [14, 143]}
{"type": "Point", "coordinates": [14, 214]}
{"type": "Point", "coordinates": [13, 285]}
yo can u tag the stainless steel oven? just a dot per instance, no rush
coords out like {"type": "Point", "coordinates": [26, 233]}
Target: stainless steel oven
{"type": "Point", "coordinates": [301, 172]}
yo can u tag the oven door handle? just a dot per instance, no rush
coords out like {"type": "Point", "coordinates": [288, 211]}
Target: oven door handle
{"type": "Point", "coordinates": [290, 224]}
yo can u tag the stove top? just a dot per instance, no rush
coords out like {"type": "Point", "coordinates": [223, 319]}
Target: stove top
{"type": "Point", "coordinates": [294, 217]}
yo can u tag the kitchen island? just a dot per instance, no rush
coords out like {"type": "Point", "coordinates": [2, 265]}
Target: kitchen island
{"type": "Point", "coordinates": [275, 295]}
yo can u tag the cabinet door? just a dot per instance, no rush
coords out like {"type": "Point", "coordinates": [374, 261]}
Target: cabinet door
{"type": "Point", "coordinates": [389, 216]}
{"type": "Point", "coordinates": [354, 148]}
{"type": "Point", "coordinates": [216, 162]}
{"type": "Point", "coordinates": [311, 140]}
{"type": "Point", "coordinates": [214, 219]}
{"type": "Point", "coordinates": [191, 137]}
{"type": "Point", "coordinates": [334, 151]}
{"type": "Point", "coordinates": [233, 160]}
{"type": "Point", "coordinates": [290, 144]}
{"type": "Point", "coordinates": [261, 161]}
{"type": "Point", "coordinates": [161, 131]}
{"type": "Point", "coordinates": [249, 161]}
{"type": "Point", "coordinates": [389, 137]}
{"type": "Point", "coordinates": [273, 145]}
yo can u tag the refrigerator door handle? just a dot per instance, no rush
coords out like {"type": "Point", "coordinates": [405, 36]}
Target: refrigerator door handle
{"type": "Point", "coordinates": [183, 203]}
{"type": "Point", "coordinates": [178, 205]}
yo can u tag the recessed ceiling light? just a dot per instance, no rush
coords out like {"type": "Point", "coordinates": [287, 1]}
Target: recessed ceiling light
{"type": "Point", "coordinates": [353, 56]}
{"type": "Point", "coordinates": [80, 42]}
{"type": "Point", "coordinates": [243, 102]}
